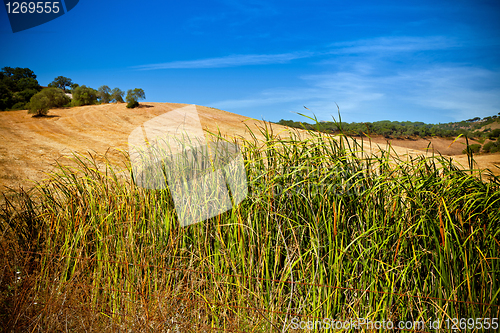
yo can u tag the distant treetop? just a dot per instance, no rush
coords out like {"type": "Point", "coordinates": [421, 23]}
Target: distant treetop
{"type": "Point", "coordinates": [62, 83]}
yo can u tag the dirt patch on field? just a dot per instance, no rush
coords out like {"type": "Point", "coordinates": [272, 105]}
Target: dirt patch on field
{"type": "Point", "coordinates": [32, 146]}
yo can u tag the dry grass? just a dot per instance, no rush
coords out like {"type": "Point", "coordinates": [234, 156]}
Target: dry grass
{"type": "Point", "coordinates": [323, 233]}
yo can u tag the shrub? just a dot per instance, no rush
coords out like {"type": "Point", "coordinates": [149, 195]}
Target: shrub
{"type": "Point", "coordinates": [132, 104]}
{"type": "Point", "coordinates": [489, 146]}
{"type": "Point", "coordinates": [474, 148]}
{"type": "Point", "coordinates": [133, 96]}
{"type": "Point", "coordinates": [84, 96]}
{"type": "Point", "coordinates": [19, 106]}
{"type": "Point", "coordinates": [494, 134]}
{"type": "Point", "coordinates": [46, 99]}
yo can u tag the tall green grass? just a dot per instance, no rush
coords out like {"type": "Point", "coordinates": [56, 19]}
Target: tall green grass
{"type": "Point", "coordinates": [327, 231]}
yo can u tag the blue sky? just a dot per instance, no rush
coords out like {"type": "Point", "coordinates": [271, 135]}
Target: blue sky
{"type": "Point", "coordinates": [432, 61]}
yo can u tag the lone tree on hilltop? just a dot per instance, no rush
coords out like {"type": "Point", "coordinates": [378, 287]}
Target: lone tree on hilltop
{"type": "Point", "coordinates": [62, 82]}
{"type": "Point", "coordinates": [104, 94]}
{"type": "Point", "coordinates": [133, 96]}
{"type": "Point", "coordinates": [117, 95]}
{"type": "Point", "coordinates": [46, 99]}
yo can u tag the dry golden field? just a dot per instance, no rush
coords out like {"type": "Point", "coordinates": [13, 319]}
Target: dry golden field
{"type": "Point", "coordinates": [31, 146]}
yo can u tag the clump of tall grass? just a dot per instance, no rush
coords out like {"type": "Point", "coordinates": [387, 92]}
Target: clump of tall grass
{"type": "Point", "coordinates": [327, 231]}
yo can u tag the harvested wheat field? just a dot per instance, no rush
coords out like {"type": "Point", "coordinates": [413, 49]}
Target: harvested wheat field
{"type": "Point", "coordinates": [31, 146]}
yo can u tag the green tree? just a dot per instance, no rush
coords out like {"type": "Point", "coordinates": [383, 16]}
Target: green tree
{"type": "Point", "coordinates": [84, 95]}
{"type": "Point", "coordinates": [410, 131]}
{"type": "Point", "coordinates": [490, 147]}
{"type": "Point", "coordinates": [11, 76]}
{"type": "Point", "coordinates": [117, 95]}
{"type": "Point", "coordinates": [17, 86]}
{"type": "Point", "coordinates": [494, 134]}
{"type": "Point", "coordinates": [133, 97]}
{"type": "Point", "coordinates": [6, 97]}
{"type": "Point", "coordinates": [61, 82]}
{"type": "Point", "coordinates": [104, 94]}
{"type": "Point", "coordinates": [474, 148]}
{"type": "Point", "coordinates": [46, 99]}
{"type": "Point", "coordinates": [74, 86]}
{"type": "Point", "coordinates": [27, 83]}
{"type": "Point", "coordinates": [27, 87]}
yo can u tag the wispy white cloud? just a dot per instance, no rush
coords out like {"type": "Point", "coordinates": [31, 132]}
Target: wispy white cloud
{"type": "Point", "coordinates": [352, 91]}
{"type": "Point", "coordinates": [460, 91]}
{"type": "Point", "coordinates": [230, 61]}
{"type": "Point", "coordinates": [368, 80]}
{"type": "Point", "coordinates": [396, 44]}
{"type": "Point", "coordinates": [376, 46]}
{"type": "Point", "coordinates": [446, 93]}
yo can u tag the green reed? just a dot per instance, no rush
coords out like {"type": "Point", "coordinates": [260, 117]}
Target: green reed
{"type": "Point", "coordinates": [326, 231]}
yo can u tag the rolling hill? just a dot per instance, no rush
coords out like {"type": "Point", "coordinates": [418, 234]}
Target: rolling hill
{"type": "Point", "coordinates": [31, 146]}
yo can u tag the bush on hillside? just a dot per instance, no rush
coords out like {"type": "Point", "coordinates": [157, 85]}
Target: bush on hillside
{"type": "Point", "coordinates": [133, 96]}
{"type": "Point", "coordinates": [490, 147]}
{"type": "Point", "coordinates": [494, 134]}
{"type": "Point", "coordinates": [84, 95]}
{"type": "Point", "coordinates": [474, 148]}
{"type": "Point", "coordinates": [132, 104]}
{"type": "Point", "coordinates": [46, 99]}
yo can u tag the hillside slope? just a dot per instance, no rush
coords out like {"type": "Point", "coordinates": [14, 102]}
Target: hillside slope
{"type": "Point", "coordinates": [31, 146]}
